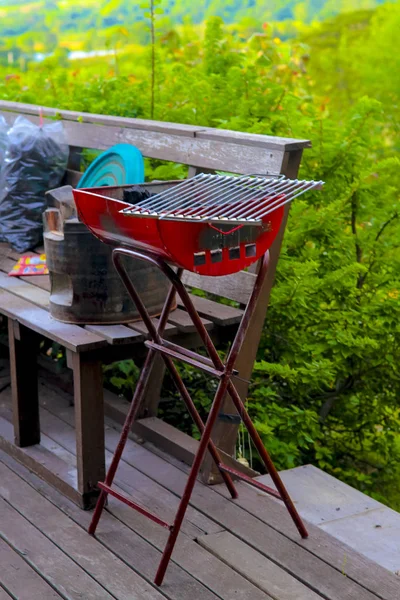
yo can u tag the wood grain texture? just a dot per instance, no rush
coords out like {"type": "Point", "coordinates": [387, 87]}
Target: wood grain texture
{"type": "Point", "coordinates": [323, 578]}
{"type": "Point", "coordinates": [139, 487]}
{"type": "Point", "coordinates": [97, 559]}
{"type": "Point", "coordinates": [20, 579]}
{"type": "Point", "coordinates": [220, 314]}
{"type": "Point", "coordinates": [89, 424]}
{"type": "Point", "coordinates": [251, 530]}
{"type": "Point", "coordinates": [42, 461]}
{"type": "Point", "coordinates": [320, 497]}
{"type": "Point", "coordinates": [42, 554]}
{"type": "Point", "coordinates": [357, 567]}
{"type": "Point", "coordinates": [24, 345]}
{"type": "Point", "coordinates": [173, 144]}
{"type": "Point", "coordinates": [4, 595]}
{"type": "Point", "coordinates": [157, 126]}
{"type": "Point", "coordinates": [71, 336]}
{"type": "Point", "coordinates": [182, 320]}
{"type": "Point", "coordinates": [170, 328]}
{"type": "Point", "coordinates": [265, 574]}
{"type": "Point", "coordinates": [237, 286]}
{"type": "Point", "coordinates": [208, 570]}
{"type": "Point", "coordinates": [25, 290]}
{"type": "Point", "coordinates": [99, 575]}
{"type": "Point", "coordinates": [116, 334]}
{"type": "Point", "coordinates": [57, 416]}
{"type": "Point", "coordinates": [255, 139]}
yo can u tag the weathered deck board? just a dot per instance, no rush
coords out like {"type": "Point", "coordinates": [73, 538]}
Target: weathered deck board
{"type": "Point", "coordinates": [212, 573]}
{"type": "Point", "coordinates": [20, 579]}
{"type": "Point", "coordinates": [141, 456]}
{"type": "Point", "coordinates": [101, 559]}
{"type": "Point", "coordinates": [334, 552]}
{"type": "Point", "coordinates": [265, 574]}
{"type": "Point", "coordinates": [144, 490]}
{"type": "Point", "coordinates": [357, 567]}
{"type": "Point", "coordinates": [296, 560]}
{"type": "Point", "coordinates": [112, 574]}
{"type": "Point", "coordinates": [43, 555]}
{"type": "Point", "coordinates": [4, 595]}
{"type": "Point", "coordinates": [72, 337]}
{"type": "Point", "coordinates": [215, 575]}
{"type": "Point", "coordinates": [224, 551]}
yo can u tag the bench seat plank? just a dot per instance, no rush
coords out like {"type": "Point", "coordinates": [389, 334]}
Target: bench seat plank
{"type": "Point", "coordinates": [237, 286]}
{"type": "Point", "coordinates": [116, 334]}
{"type": "Point", "coordinates": [72, 337]}
{"type": "Point", "coordinates": [220, 314]}
{"type": "Point", "coordinates": [113, 334]}
{"type": "Point", "coordinates": [184, 323]}
{"type": "Point", "coordinates": [41, 281]}
{"type": "Point", "coordinates": [139, 326]}
{"type": "Point", "coordinates": [25, 290]}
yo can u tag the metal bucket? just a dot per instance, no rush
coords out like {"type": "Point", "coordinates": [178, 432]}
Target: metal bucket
{"type": "Point", "coordinates": [85, 287]}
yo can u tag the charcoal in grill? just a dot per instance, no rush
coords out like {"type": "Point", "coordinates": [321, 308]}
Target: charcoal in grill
{"type": "Point", "coordinates": [136, 194]}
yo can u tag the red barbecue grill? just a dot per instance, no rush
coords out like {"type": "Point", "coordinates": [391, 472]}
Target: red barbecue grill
{"type": "Point", "coordinates": [211, 225]}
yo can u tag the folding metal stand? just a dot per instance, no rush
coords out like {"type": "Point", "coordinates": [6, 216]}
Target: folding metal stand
{"type": "Point", "coordinates": [216, 368]}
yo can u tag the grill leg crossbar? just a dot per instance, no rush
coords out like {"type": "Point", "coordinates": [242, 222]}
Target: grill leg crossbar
{"type": "Point", "coordinates": [224, 372]}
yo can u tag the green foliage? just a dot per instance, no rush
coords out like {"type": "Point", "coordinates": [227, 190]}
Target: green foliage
{"type": "Point", "coordinates": [121, 377]}
{"type": "Point", "coordinates": [326, 382]}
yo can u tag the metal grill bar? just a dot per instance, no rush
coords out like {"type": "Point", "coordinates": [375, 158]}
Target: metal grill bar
{"type": "Point", "coordinates": [280, 188]}
{"type": "Point", "coordinates": [207, 197]}
{"type": "Point", "coordinates": [235, 196]}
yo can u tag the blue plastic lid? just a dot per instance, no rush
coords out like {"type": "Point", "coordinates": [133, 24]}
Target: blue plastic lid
{"type": "Point", "coordinates": [120, 165]}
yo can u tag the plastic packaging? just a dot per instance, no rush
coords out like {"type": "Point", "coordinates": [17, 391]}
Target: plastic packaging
{"type": "Point", "coordinates": [35, 160]}
{"type": "Point", "coordinates": [30, 265]}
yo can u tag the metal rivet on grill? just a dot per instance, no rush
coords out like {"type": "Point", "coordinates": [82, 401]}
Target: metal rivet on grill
{"type": "Point", "coordinates": [234, 253]}
{"type": "Point", "coordinates": [250, 250]}
{"type": "Point", "coordinates": [216, 256]}
{"type": "Point", "coordinates": [199, 258]}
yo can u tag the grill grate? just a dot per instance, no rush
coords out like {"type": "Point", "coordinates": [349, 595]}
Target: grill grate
{"type": "Point", "coordinates": [205, 197]}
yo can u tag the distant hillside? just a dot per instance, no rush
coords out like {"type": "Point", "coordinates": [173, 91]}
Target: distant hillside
{"type": "Point", "coordinates": [72, 19]}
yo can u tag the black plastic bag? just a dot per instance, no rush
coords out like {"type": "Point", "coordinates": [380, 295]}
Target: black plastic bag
{"type": "Point", "coordinates": [35, 161]}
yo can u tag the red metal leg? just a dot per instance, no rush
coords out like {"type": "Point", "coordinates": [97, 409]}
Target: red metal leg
{"type": "Point", "coordinates": [198, 459]}
{"type": "Point", "coordinates": [130, 417]}
{"type": "Point", "coordinates": [223, 371]}
{"type": "Point", "coordinates": [265, 457]}
{"type": "Point", "coordinates": [228, 367]}
{"type": "Point", "coordinates": [199, 423]}
{"type": "Point", "coordinates": [137, 398]}
{"type": "Point", "coordinates": [156, 336]}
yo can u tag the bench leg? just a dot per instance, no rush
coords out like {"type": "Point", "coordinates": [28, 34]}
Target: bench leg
{"type": "Point", "coordinates": [89, 425]}
{"type": "Point", "coordinates": [23, 345]}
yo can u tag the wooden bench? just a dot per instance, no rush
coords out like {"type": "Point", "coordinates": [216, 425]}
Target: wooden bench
{"type": "Point", "coordinates": [25, 301]}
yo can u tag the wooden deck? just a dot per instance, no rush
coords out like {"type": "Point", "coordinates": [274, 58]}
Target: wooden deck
{"type": "Point", "coordinates": [246, 549]}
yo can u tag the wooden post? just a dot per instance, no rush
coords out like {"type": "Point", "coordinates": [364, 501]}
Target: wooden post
{"type": "Point", "coordinates": [74, 159]}
{"type": "Point", "coordinates": [89, 425]}
{"type": "Point", "coordinates": [23, 345]}
{"type": "Point", "coordinates": [151, 400]}
{"type": "Point", "coordinates": [225, 433]}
